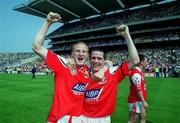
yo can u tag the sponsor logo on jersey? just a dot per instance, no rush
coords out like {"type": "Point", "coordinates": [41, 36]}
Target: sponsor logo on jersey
{"type": "Point", "coordinates": [79, 89]}
{"type": "Point", "coordinates": [93, 94]}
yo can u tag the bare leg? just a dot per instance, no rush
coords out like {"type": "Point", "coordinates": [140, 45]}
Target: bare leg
{"type": "Point", "coordinates": [132, 117]}
{"type": "Point", "coordinates": [143, 116]}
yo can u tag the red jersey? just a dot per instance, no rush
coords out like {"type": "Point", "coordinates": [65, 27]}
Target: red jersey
{"type": "Point", "coordinates": [68, 89]}
{"type": "Point", "coordinates": [137, 83]}
{"type": "Point", "coordinates": [100, 97]}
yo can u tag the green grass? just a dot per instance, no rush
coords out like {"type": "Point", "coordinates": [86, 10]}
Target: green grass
{"type": "Point", "coordinates": [26, 100]}
{"type": "Point", "coordinates": [163, 99]}
{"type": "Point", "coordinates": [23, 99]}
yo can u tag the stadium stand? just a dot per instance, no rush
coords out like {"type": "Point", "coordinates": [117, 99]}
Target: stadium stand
{"type": "Point", "coordinates": [13, 59]}
{"type": "Point", "coordinates": [154, 26]}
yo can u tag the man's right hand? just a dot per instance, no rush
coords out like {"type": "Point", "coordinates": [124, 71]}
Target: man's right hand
{"type": "Point", "coordinates": [145, 105]}
{"type": "Point", "coordinates": [53, 17]}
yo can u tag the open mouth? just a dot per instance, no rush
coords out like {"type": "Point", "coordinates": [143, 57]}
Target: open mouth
{"type": "Point", "coordinates": [80, 59]}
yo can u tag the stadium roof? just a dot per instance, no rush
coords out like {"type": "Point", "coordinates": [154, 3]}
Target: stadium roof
{"type": "Point", "coordinates": [71, 10]}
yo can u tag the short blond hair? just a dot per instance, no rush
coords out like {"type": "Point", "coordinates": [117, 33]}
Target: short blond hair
{"type": "Point", "coordinates": [74, 46]}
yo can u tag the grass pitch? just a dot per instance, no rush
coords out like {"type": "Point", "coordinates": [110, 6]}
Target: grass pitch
{"type": "Point", "coordinates": [27, 100]}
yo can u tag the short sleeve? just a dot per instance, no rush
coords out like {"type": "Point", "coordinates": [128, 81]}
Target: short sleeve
{"type": "Point", "coordinates": [136, 80]}
{"type": "Point", "coordinates": [122, 71]}
{"type": "Point", "coordinates": [54, 62]}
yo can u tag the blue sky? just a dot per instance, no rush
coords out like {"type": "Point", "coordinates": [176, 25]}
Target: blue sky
{"type": "Point", "coordinates": [17, 30]}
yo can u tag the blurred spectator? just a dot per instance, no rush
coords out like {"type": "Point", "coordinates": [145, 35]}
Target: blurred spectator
{"type": "Point", "coordinates": [164, 71]}
{"type": "Point", "coordinates": [33, 72]}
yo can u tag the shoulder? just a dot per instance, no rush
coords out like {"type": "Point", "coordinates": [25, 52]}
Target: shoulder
{"type": "Point", "coordinates": [136, 78]}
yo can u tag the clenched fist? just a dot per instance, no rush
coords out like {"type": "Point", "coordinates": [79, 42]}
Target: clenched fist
{"type": "Point", "coordinates": [123, 30]}
{"type": "Point", "coordinates": [53, 17]}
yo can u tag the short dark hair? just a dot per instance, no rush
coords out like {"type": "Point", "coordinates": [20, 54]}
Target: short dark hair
{"type": "Point", "coordinates": [99, 50]}
{"type": "Point", "coordinates": [142, 57]}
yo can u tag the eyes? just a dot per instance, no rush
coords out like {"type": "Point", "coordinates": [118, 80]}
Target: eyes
{"type": "Point", "coordinates": [96, 58]}
{"type": "Point", "coordinates": [80, 51]}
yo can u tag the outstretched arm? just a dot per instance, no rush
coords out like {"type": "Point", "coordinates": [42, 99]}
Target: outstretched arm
{"type": "Point", "coordinates": [123, 30]}
{"type": "Point", "coordinates": [39, 39]}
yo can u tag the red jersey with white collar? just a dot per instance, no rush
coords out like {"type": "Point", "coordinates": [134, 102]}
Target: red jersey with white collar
{"type": "Point", "coordinates": [68, 89]}
{"type": "Point", "coordinates": [100, 97]}
{"type": "Point", "coordinates": [137, 83]}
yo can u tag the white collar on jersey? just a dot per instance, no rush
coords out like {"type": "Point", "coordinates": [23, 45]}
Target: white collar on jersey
{"type": "Point", "coordinates": [138, 69]}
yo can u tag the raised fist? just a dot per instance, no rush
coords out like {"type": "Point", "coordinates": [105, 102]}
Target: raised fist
{"type": "Point", "coordinates": [53, 17]}
{"type": "Point", "coordinates": [123, 30]}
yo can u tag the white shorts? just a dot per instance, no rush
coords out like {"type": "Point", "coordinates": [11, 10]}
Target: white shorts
{"type": "Point", "coordinates": [105, 119]}
{"type": "Point", "coordinates": [66, 118]}
{"type": "Point", "coordinates": [84, 119]}
{"type": "Point", "coordinates": [135, 107]}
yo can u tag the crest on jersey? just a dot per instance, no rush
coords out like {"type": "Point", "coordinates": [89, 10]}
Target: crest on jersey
{"type": "Point", "coordinates": [137, 80]}
{"type": "Point", "coordinates": [86, 73]}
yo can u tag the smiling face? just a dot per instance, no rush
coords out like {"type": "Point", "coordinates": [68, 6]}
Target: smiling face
{"type": "Point", "coordinates": [80, 53]}
{"type": "Point", "coordinates": [97, 60]}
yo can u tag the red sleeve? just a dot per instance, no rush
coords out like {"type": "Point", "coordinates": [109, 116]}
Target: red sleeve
{"type": "Point", "coordinates": [55, 63]}
{"type": "Point", "coordinates": [122, 71]}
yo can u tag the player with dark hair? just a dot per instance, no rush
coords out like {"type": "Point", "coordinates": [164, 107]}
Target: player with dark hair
{"type": "Point", "coordinates": [137, 97]}
{"type": "Point", "coordinates": [100, 96]}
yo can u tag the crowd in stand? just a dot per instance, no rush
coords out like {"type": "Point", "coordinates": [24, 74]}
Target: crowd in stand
{"type": "Point", "coordinates": [158, 57]}
{"type": "Point", "coordinates": [156, 37]}
{"type": "Point", "coordinates": [11, 65]}
{"type": "Point", "coordinates": [110, 42]}
{"type": "Point", "coordinates": [27, 67]}
{"type": "Point", "coordinates": [129, 16]}
{"type": "Point", "coordinates": [10, 59]}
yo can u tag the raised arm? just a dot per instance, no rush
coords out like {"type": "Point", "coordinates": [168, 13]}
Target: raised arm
{"type": "Point", "coordinates": [39, 39]}
{"type": "Point", "coordinates": [123, 30]}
